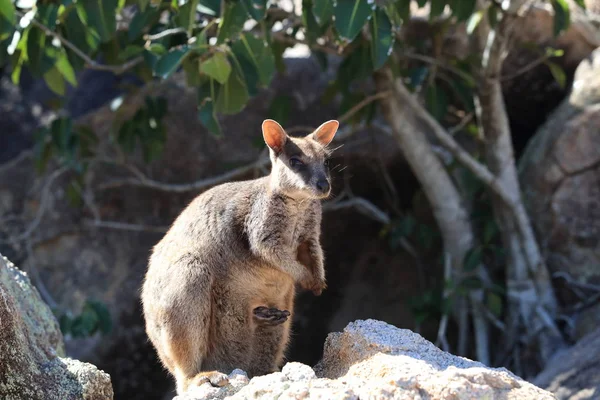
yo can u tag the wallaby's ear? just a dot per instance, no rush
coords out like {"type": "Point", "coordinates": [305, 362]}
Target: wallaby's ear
{"type": "Point", "coordinates": [274, 135]}
{"type": "Point", "coordinates": [325, 133]}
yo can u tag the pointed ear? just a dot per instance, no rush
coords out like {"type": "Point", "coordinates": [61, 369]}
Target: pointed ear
{"type": "Point", "coordinates": [274, 135]}
{"type": "Point", "coordinates": [325, 133]}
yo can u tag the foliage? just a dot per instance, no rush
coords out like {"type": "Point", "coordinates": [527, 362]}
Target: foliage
{"type": "Point", "coordinates": [94, 317]}
{"type": "Point", "coordinates": [229, 50]}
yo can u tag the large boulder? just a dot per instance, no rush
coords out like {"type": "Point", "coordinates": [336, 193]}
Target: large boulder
{"type": "Point", "coordinates": [32, 362]}
{"type": "Point", "coordinates": [574, 373]}
{"type": "Point", "coordinates": [560, 172]}
{"type": "Point", "coordinates": [374, 360]}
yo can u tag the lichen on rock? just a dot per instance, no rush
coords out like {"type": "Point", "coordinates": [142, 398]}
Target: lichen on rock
{"type": "Point", "coordinates": [32, 363]}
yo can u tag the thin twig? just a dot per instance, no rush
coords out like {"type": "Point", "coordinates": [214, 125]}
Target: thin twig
{"type": "Point", "coordinates": [42, 208]}
{"type": "Point", "coordinates": [363, 206]}
{"type": "Point", "coordinates": [363, 103]}
{"type": "Point", "coordinates": [165, 33]}
{"type": "Point", "coordinates": [438, 63]}
{"type": "Point", "coordinates": [525, 68]}
{"type": "Point", "coordinates": [262, 162]}
{"type": "Point", "coordinates": [185, 187]}
{"type": "Point", "coordinates": [572, 282]}
{"type": "Point", "coordinates": [441, 334]}
{"type": "Point", "coordinates": [91, 64]}
{"type": "Point", "coordinates": [124, 226]}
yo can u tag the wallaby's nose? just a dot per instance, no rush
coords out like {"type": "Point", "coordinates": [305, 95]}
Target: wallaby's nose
{"type": "Point", "coordinates": [323, 185]}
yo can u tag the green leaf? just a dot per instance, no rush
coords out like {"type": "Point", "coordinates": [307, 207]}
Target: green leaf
{"type": "Point", "coordinates": [101, 16]}
{"type": "Point", "coordinates": [473, 21]}
{"type": "Point", "coordinates": [104, 319]}
{"type": "Point", "coordinates": [323, 11]}
{"type": "Point", "coordinates": [140, 21]}
{"type": "Point", "coordinates": [489, 230]}
{"type": "Point", "coordinates": [217, 67]}
{"type": "Point", "coordinates": [167, 64]}
{"type": "Point", "coordinates": [463, 9]}
{"type": "Point", "coordinates": [406, 226]}
{"type": "Point", "coordinates": [382, 38]}
{"type": "Point", "coordinates": [351, 16]}
{"type": "Point", "coordinates": [65, 68]}
{"type": "Point", "coordinates": [74, 193]}
{"type": "Point", "coordinates": [258, 54]}
{"type": "Point", "coordinates": [256, 8]}
{"type": "Point", "coordinates": [310, 23]}
{"type": "Point", "coordinates": [472, 259]}
{"type": "Point", "coordinates": [562, 16]}
{"type": "Point", "coordinates": [157, 49]}
{"type": "Point", "coordinates": [403, 9]}
{"type": "Point", "coordinates": [130, 52]}
{"type": "Point", "coordinates": [55, 81]}
{"type": "Point", "coordinates": [65, 322]}
{"type": "Point", "coordinates": [280, 108]}
{"type": "Point", "coordinates": [7, 10]}
{"type": "Point", "coordinates": [142, 4]}
{"type": "Point", "coordinates": [87, 40]}
{"type": "Point", "coordinates": [437, 8]}
{"type": "Point", "coordinates": [581, 3]}
{"type": "Point", "coordinates": [494, 303]}
{"type": "Point", "coordinates": [471, 283]}
{"type": "Point", "coordinates": [210, 7]}
{"type": "Point", "coordinates": [492, 14]}
{"type": "Point", "coordinates": [246, 69]}
{"type": "Point", "coordinates": [191, 67]}
{"type": "Point", "coordinates": [187, 15]}
{"type": "Point", "coordinates": [558, 73]}
{"type": "Point", "coordinates": [126, 136]}
{"type": "Point", "coordinates": [207, 116]}
{"type": "Point", "coordinates": [232, 23]}
{"type": "Point", "coordinates": [232, 96]}
{"type": "Point", "coordinates": [437, 101]}
{"type": "Point", "coordinates": [357, 65]}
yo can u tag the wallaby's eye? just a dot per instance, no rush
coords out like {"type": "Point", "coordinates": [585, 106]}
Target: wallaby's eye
{"type": "Point", "coordinates": [295, 162]}
{"type": "Point", "coordinates": [326, 163]}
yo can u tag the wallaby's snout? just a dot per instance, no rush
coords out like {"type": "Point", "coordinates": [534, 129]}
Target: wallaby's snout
{"type": "Point", "coordinates": [323, 186]}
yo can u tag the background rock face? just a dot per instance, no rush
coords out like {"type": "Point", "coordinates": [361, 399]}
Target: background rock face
{"type": "Point", "coordinates": [374, 360]}
{"type": "Point", "coordinates": [574, 374]}
{"type": "Point", "coordinates": [560, 177]}
{"type": "Point", "coordinates": [31, 348]}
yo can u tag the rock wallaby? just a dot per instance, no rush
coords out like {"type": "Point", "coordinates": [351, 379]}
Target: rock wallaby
{"type": "Point", "coordinates": [220, 286]}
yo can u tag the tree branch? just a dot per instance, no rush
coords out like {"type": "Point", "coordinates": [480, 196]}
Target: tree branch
{"type": "Point", "coordinates": [186, 187]}
{"type": "Point", "coordinates": [91, 64]}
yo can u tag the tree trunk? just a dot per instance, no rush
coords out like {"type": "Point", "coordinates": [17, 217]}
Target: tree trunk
{"type": "Point", "coordinates": [448, 208]}
{"type": "Point", "coordinates": [532, 304]}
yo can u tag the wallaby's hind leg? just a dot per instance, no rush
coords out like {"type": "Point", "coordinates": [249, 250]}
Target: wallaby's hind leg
{"type": "Point", "coordinates": [271, 336]}
{"type": "Point", "coordinates": [179, 317]}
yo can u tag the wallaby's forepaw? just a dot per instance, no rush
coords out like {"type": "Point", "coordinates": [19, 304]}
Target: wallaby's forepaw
{"type": "Point", "coordinates": [215, 378]}
{"type": "Point", "coordinates": [271, 316]}
{"type": "Point", "coordinates": [316, 287]}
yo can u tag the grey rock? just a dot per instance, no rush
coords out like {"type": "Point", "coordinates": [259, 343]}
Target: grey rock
{"type": "Point", "coordinates": [32, 362]}
{"type": "Point", "coordinates": [559, 174]}
{"type": "Point", "coordinates": [374, 360]}
{"type": "Point", "coordinates": [574, 373]}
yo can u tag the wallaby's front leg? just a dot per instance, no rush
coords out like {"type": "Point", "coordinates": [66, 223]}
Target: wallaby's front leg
{"type": "Point", "coordinates": [271, 244]}
{"type": "Point", "coordinates": [310, 255]}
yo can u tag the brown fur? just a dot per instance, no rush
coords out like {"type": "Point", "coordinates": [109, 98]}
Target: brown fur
{"type": "Point", "coordinates": [220, 285]}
